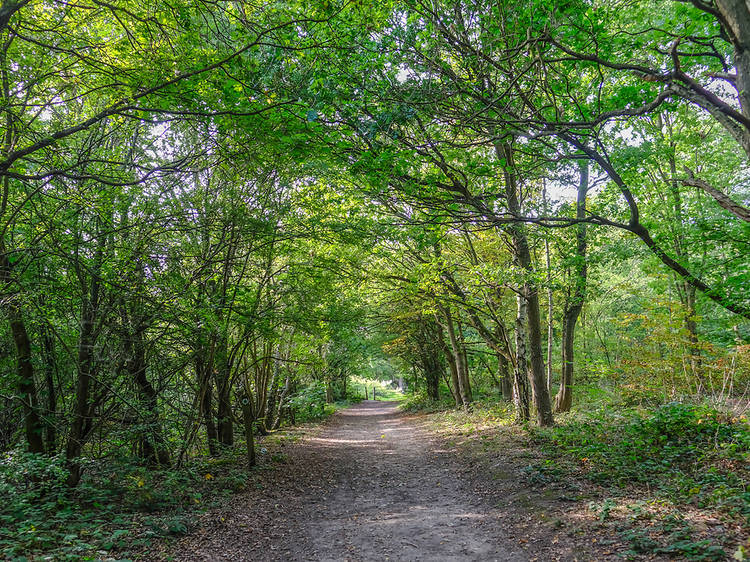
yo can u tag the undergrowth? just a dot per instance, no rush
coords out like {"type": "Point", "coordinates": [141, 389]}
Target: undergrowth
{"type": "Point", "coordinates": [420, 402]}
{"type": "Point", "coordinates": [676, 454]}
{"type": "Point", "coordinates": [690, 454]}
{"type": "Point", "coordinates": [117, 507]}
{"type": "Point", "coordinates": [649, 461]}
{"type": "Point", "coordinates": [120, 507]}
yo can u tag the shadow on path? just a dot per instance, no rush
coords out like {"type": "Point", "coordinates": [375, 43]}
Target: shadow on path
{"type": "Point", "coordinates": [369, 485]}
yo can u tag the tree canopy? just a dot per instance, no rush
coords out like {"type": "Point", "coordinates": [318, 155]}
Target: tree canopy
{"type": "Point", "coordinates": [217, 216]}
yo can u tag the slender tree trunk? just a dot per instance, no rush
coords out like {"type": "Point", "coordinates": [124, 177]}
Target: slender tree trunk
{"type": "Point", "coordinates": [432, 383]}
{"type": "Point", "coordinates": [521, 396]}
{"type": "Point", "coordinates": [247, 419]}
{"type": "Point", "coordinates": [25, 385]}
{"type": "Point", "coordinates": [33, 426]}
{"type": "Point", "coordinates": [506, 384]}
{"type": "Point", "coordinates": [464, 372]}
{"type": "Point", "coordinates": [282, 400]}
{"type": "Point", "coordinates": [224, 390]}
{"type": "Point", "coordinates": [50, 368]}
{"type": "Point", "coordinates": [205, 388]}
{"type": "Point", "coordinates": [262, 377]}
{"type": "Point", "coordinates": [329, 390]}
{"type": "Point", "coordinates": [696, 362]}
{"type": "Point", "coordinates": [685, 290]}
{"type": "Point", "coordinates": [538, 383]}
{"type": "Point", "coordinates": [564, 398]}
{"type": "Point", "coordinates": [456, 357]}
{"type": "Point", "coordinates": [273, 394]}
{"type": "Point", "coordinates": [530, 291]}
{"type": "Point", "coordinates": [153, 445]}
{"type": "Point", "coordinates": [82, 413]}
{"type": "Point", "coordinates": [452, 383]}
{"type": "Point", "coordinates": [431, 367]}
{"type": "Point", "coordinates": [550, 322]}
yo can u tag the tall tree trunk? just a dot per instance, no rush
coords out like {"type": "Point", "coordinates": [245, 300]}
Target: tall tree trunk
{"type": "Point", "coordinates": [503, 373]}
{"type": "Point", "coordinates": [432, 381]}
{"type": "Point", "coordinates": [691, 325]}
{"type": "Point", "coordinates": [456, 357]}
{"type": "Point", "coordinates": [50, 368]}
{"type": "Point", "coordinates": [25, 385]}
{"type": "Point", "coordinates": [247, 419]}
{"type": "Point", "coordinates": [530, 292]}
{"type": "Point", "coordinates": [453, 382]}
{"type": "Point", "coordinates": [281, 401]}
{"type": "Point", "coordinates": [224, 414]}
{"type": "Point", "coordinates": [329, 389]}
{"type": "Point", "coordinates": [550, 323]}
{"type": "Point", "coordinates": [432, 369]}
{"type": "Point", "coordinates": [224, 390]}
{"type": "Point", "coordinates": [685, 290]}
{"type": "Point", "coordinates": [538, 384]}
{"type": "Point", "coordinates": [273, 394]}
{"type": "Point", "coordinates": [521, 396]}
{"type": "Point", "coordinates": [564, 398]}
{"type": "Point", "coordinates": [205, 389]}
{"type": "Point", "coordinates": [464, 371]}
{"type": "Point", "coordinates": [262, 376]}
{"type": "Point", "coordinates": [33, 426]}
{"type": "Point", "coordinates": [81, 413]}
{"type": "Point", "coordinates": [153, 445]}
{"type": "Point", "coordinates": [82, 420]}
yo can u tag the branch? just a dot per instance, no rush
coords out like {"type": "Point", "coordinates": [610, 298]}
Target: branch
{"type": "Point", "coordinates": [8, 9]}
{"type": "Point", "coordinates": [726, 202]}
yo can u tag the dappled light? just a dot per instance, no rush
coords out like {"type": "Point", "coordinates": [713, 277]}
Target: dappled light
{"type": "Point", "coordinates": [347, 280]}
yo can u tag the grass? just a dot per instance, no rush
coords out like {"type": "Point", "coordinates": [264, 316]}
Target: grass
{"type": "Point", "coordinates": [383, 390]}
{"type": "Point", "coordinates": [669, 479]}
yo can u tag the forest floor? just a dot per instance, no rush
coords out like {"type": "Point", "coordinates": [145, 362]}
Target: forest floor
{"type": "Point", "coordinates": [375, 483]}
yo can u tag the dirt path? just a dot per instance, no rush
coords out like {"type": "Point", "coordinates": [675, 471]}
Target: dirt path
{"type": "Point", "coordinates": [371, 484]}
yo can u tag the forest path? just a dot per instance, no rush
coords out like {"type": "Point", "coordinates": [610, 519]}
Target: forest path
{"type": "Point", "coordinates": [370, 484]}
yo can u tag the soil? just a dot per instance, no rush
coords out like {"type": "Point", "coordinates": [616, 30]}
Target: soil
{"type": "Point", "coordinates": [374, 483]}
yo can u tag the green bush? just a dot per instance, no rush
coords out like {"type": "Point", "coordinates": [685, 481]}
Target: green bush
{"type": "Point", "coordinates": [420, 402]}
{"type": "Point", "coordinates": [309, 404]}
{"type": "Point", "coordinates": [691, 452]}
{"type": "Point", "coordinates": [118, 505]}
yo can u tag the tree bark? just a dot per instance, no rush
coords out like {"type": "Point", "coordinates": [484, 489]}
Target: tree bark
{"type": "Point", "coordinates": [82, 414]}
{"type": "Point", "coordinates": [564, 398]}
{"type": "Point", "coordinates": [33, 426]}
{"type": "Point", "coordinates": [520, 377]}
{"type": "Point", "coordinates": [530, 292]}
{"type": "Point", "coordinates": [685, 291]}
{"type": "Point", "coordinates": [153, 445]}
{"type": "Point", "coordinates": [25, 385]}
{"type": "Point", "coordinates": [506, 384]}
{"type": "Point", "coordinates": [550, 326]}
{"type": "Point", "coordinates": [458, 359]}
{"type": "Point", "coordinates": [205, 389]}
{"type": "Point", "coordinates": [50, 367]}
{"type": "Point", "coordinates": [281, 401]}
{"type": "Point", "coordinates": [224, 389]}
{"type": "Point", "coordinates": [453, 386]}
{"type": "Point", "coordinates": [247, 419]}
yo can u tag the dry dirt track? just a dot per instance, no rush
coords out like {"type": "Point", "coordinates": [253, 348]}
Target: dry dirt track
{"type": "Point", "coordinates": [370, 485]}
{"type": "Point", "coordinates": [399, 497]}
{"type": "Point", "coordinates": [375, 484]}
